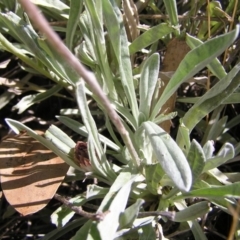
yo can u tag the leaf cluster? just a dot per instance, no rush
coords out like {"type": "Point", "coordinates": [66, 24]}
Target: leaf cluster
{"type": "Point", "coordinates": [171, 174]}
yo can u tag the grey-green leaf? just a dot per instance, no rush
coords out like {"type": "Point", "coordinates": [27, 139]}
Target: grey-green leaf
{"type": "Point", "coordinates": [154, 174]}
{"type": "Point", "coordinates": [213, 98]}
{"type": "Point", "coordinates": [108, 227]}
{"type": "Point", "coordinates": [18, 127]}
{"type": "Point", "coordinates": [193, 62]}
{"type": "Point", "coordinates": [208, 149]}
{"type": "Point", "coordinates": [225, 153]}
{"type": "Point", "coordinates": [75, 10]}
{"type": "Point", "coordinates": [231, 190]}
{"type": "Point", "coordinates": [170, 156]}
{"type": "Point", "coordinates": [215, 66]}
{"type": "Point", "coordinates": [196, 159]}
{"type": "Point", "coordinates": [148, 80]}
{"type": "Point", "coordinates": [29, 100]}
{"type": "Point", "coordinates": [193, 212]}
{"type": "Point", "coordinates": [127, 218]}
{"type": "Point", "coordinates": [150, 36]}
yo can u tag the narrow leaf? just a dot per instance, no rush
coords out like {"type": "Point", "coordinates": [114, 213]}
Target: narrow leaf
{"type": "Point", "coordinates": [215, 66]}
{"type": "Point", "coordinates": [170, 156]}
{"type": "Point", "coordinates": [149, 37]}
{"type": "Point", "coordinates": [93, 134]}
{"type": "Point", "coordinates": [18, 127]}
{"type": "Point", "coordinates": [193, 225]}
{"type": "Point", "coordinates": [208, 149]}
{"type": "Point", "coordinates": [231, 190]}
{"type": "Point", "coordinates": [183, 137]}
{"type": "Point", "coordinates": [171, 7]}
{"type": "Point", "coordinates": [80, 129]}
{"type": "Point", "coordinates": [29, 100]}
{"type": "Point", "coordinates": [193, 212]}
{"type": "Point", "coordinates": [127, 218]}
{"type": "Point", "coordinates": [225, 153]}
{"type": "Point", "coordinates": [193, 62]}
{"type": "Point", "coordinates": [196, 159]}
{"type": "Point", "coordinates": [75, 11]}
{"type": "Point", "coordinates": [213, 98]}
{"type": "Point", "coordinates": [148, 80]}
{"type": "Point", "coordinates": [118, 36]}
{"type": "Point", "coordinates": [154, 174]}
{"type": "Point", "coordinates": [108, 227]}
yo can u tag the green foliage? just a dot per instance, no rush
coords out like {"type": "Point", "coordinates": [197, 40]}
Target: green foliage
{"type": "Point", "coordinates": [170, 156]}
{"type": "Point", "coordinates": [171, 171]}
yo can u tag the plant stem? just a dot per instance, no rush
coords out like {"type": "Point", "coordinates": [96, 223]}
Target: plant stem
{"type": "Point", "coordinates": [100, 216]}
{"type": "Point", "coordinates": [79, 210]}
{"type": "Point", "coordinates": [182, 18]}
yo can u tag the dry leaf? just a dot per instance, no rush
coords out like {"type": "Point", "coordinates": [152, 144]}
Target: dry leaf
{"type": "Point", "coordinates": [131, 19]}
{"type": "Point", "coordinates": [81, 157]}
{"type": "Point", "coordinates": [176, 51]}
{"type": "Point", "coordinates": [30, 173]}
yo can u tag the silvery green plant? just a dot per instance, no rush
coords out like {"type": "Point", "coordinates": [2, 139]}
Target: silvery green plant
{"type": "Point", "coordinates": [165, 172]}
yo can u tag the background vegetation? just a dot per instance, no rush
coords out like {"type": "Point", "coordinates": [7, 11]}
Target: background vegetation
{"type": "Point", "coordinates": [166, 167]}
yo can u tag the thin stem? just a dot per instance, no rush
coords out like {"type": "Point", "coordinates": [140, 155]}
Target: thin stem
{"type": "Point", "coordinates": [230, 28]}
{"type": "Point", "coordinates": [182, 18]}
{"type": "Point", "coordinates": [100, 216]}
{"type": "Point", "coordinates": [235, 215]}
{"type": "Point", "coordinates": [209, 35]}
{"type": "Point", "coordinates": [41, 23]}
{"type": "Point", "coordinates": [79, 210]}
